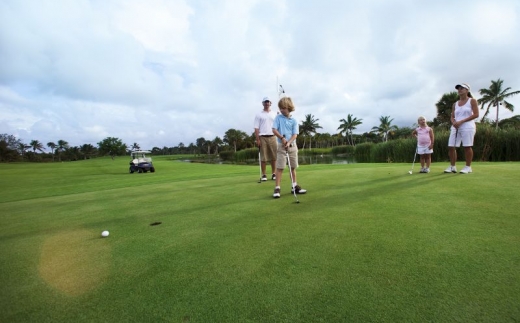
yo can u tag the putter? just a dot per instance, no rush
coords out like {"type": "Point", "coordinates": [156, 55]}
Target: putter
{"type": "Point", "coordinates": [260, 165]}
{"type": "Point", "coordinates": [413, 163]}
{"type": "Point", "coordinates": [290, 172]}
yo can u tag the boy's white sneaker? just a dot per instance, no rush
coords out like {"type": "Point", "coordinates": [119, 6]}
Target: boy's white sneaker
{"type": "Point", "coordinates": [451, 169]}
{"type": "Point", "coordinates": [427, 170]}
{"type": "Point", "coordinates": [466, 170]}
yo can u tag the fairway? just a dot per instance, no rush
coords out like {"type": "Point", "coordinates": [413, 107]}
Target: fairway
{"type": "Point", "coordinates": [367, 243]}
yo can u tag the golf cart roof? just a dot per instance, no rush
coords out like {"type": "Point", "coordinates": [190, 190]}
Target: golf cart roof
{"type": "Point", "coordinates": [141, 152]}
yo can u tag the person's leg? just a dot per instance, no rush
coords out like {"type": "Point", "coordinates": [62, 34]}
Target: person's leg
{"type": "Point", "coordinates": [278, 173]}
{"type": "Point", "coordinates": [453, 155]}
{"type": "Point", "coordinates": [280, 165]}
{"type": "Point", "coordinates": [423, 161]}
{"type": "Point", "coordinates": [428, 160]}
{"type": "Point", "coordinates": [452, 152]}
{"type": "Point", "coordinates": [467, 141]}
{"type": "Point", "coordinates": [293, 155]}
{"type": "Point", "coordinates": [293, 171]}
{"type": "Point", "coordinates": [452, 144]}
{"type": "Point", "coordinates": [272, 145]}
{"type": "Point", "coordinates": [468, 153]}
{"type": "Point", "coordinates": [265, 155]}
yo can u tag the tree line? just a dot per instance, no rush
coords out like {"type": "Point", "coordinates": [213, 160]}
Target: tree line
{"type": "Point", "coordinates": [14, 149]}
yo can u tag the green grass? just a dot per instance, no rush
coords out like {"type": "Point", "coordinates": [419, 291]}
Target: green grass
{"type": "Point", "coordinates": [368, 243]}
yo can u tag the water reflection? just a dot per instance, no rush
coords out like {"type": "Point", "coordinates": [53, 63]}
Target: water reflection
{"type": "Point", "coordinates": [325, 159]}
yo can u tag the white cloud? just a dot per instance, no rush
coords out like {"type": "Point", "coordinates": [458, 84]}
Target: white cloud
{"type": "Point", "coordinates": [163, 72]}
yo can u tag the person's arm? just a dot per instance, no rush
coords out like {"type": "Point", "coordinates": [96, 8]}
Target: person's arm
{"type": "Point", "coordinates": [291, 140]}
{"type": "Point", "coordinates": [414, 133]}
{"type": "Point", "coordinates": [295, 132]}
{"type": "Point", "coordinates": [432, 139]}
{"type": "Point", "coordinates": [279, 136]}
{"type": "Point", "coordinates": [257, 135]}
{"type": "Point", "coordinates": [474, 108]}
{"type": "Point", "coordinates": [452, 117]}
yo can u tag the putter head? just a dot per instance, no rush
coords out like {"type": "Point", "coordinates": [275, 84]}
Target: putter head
{"type": "Point", "coordinates": [410, 172]}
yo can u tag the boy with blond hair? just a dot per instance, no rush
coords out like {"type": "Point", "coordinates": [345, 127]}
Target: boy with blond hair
{"type": "Point", "coordinates": [285, 128]}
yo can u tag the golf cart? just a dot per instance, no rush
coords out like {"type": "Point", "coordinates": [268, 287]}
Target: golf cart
{"type": "Point", "coordinates": [140, 163]}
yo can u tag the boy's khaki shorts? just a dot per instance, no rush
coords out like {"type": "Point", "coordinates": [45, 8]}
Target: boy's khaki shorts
{"type": "Point", "coordinates": [268, 148]}
{"type": "Point", "coordinates": [281, 158]}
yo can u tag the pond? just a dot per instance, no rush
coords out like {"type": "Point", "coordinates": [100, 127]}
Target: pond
{"type": "Point", "coordinates": [303, 160]}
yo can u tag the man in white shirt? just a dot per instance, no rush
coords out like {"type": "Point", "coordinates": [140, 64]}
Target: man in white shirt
{"type": "Point", "coordinates": [265, 139]}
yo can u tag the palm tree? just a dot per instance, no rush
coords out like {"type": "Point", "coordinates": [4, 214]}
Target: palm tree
{"type": "Point", "coordinates": [234, 137]}
{"type": "Point", "coordinates": [87, 150]}
{"type": "Point", "coordinates": [36, 145]}
{"type": "Point", "coordinates": [495, 97]}
{"type": "Point", "coordinates": [385, 127]}
{"type": "Point", "coordinates": [62, 145]}
{"type": "Point", "coordinates": [347, 126]}
{"type": "Point", "coordinates": [217, 142]}
{"type": "Point", "coordinates": [52, 146]}
{"type": "Point", "coordinates": [22, 148]}
{"type": "Point", "coordinates": [135, 146]}
{"type": "Point", "coordinates": [308, 127]}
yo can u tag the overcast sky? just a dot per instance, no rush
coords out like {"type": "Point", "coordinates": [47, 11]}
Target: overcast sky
{"type": "Point", "coordinates": [162, 72]}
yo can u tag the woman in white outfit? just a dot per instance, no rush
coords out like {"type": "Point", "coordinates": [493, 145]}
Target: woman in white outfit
{"type": "Point", "coordinates": [463, 128]}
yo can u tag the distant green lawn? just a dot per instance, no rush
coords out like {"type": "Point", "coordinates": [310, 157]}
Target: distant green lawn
{"type": "Point", "coordinates": [367, 243]}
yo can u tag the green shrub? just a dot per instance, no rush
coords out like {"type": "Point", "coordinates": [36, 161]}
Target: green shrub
{"type": "Point", "coordinates": [362, 152]}
{"type": "Point", "coordinates": [227, 155]}
{"type": "Point", "coordinates": [249, 155]}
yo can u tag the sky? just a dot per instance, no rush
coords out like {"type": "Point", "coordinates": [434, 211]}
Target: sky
{"type": "Point", "coordinates": [163, 72]}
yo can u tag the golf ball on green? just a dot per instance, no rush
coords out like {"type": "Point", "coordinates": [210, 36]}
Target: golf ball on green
{"type": "Point", "coordinates": [104, 234]}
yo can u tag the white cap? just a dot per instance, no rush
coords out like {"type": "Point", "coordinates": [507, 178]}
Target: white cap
{"type": "Point", "coordinates": [266, 99]}
{"type": "Point", "coordinates": [464, 85]}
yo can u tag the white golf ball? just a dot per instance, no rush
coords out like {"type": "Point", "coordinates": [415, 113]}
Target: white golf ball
{"type": "Point", "coordinates": [104, 234]}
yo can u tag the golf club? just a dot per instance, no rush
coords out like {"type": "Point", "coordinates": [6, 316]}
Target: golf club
{"type": "Point", "coordinates": [260, 164]}
{"type": "Point", "coordinates": [290, 172]}
{"type": "Point", "coordinates": [413, 163]}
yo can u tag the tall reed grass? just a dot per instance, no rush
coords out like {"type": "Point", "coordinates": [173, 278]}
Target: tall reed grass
{"type": "Point", "coordinates": [490, 144]}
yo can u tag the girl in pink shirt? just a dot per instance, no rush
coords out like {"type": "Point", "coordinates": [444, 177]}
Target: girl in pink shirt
{"type": "Point", "coordinates": [425, 140]}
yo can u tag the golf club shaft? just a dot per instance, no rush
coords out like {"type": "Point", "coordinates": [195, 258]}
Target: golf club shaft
{"type": "Point", "coordinates": [290, 172]}
{"type": "Point", "coordinates": [260, 165]}
{"type": "Point", "coordinates": [414, 156]}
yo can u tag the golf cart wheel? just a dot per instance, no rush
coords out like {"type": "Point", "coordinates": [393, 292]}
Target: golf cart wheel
{"type": "Point", "coordinates": [131, 170]}
{"type": "Point", "coordinates": [152, 170]}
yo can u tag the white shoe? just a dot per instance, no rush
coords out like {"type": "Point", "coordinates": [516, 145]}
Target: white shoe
{"type": "Point", "coordinates": [466, 170]}
{"type": "Point", "coordinates": [451, 169]}
{"type": "Point", "coordinates": [427, 170]}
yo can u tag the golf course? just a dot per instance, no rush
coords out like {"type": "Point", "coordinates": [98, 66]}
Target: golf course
{"type": "Point", "coordinates": [195, 242]}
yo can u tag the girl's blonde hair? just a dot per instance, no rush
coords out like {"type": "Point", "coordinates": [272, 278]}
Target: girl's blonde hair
{"type": "Point", "coordinates": [421, 117]}
{"type": "Point", "coordinates": [286, 102]}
